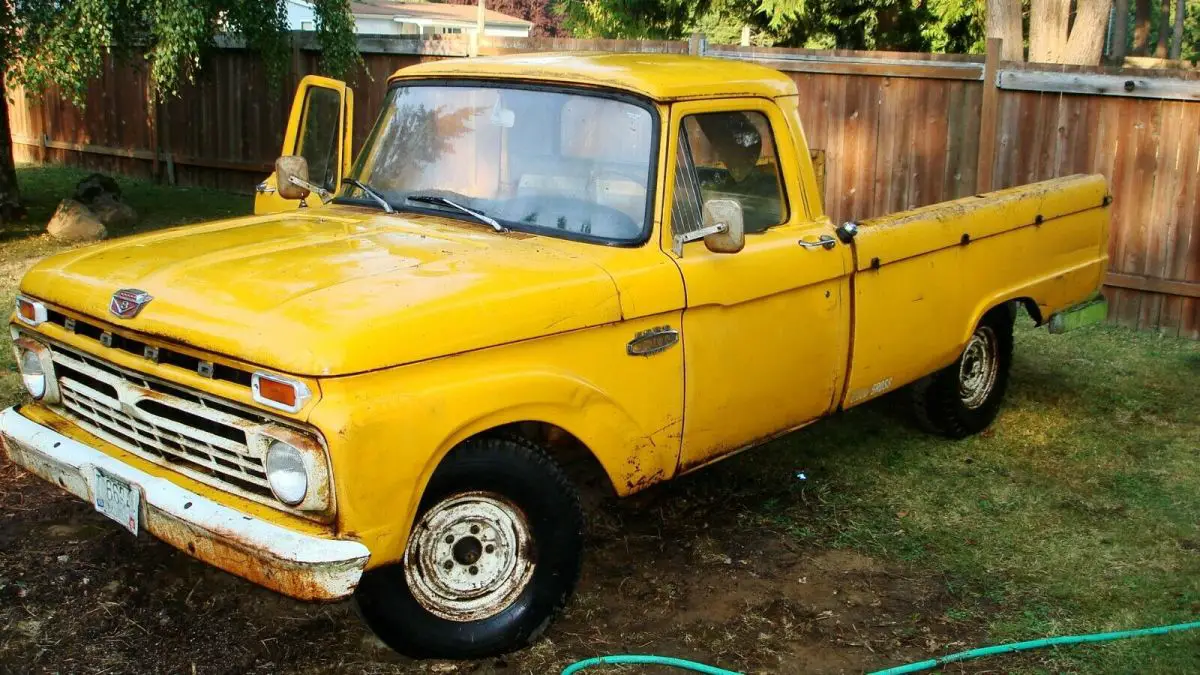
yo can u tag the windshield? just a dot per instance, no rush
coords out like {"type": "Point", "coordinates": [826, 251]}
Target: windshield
{"type": "Point", "coordinates": [548, 161]}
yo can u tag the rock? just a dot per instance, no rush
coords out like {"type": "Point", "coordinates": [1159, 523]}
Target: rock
{"type": "Point", "coordinates": [74, 222]}
{"type": "Point", "coordinates": [112, 212]}
{"type": "Point", "coordinates": [96, 186]}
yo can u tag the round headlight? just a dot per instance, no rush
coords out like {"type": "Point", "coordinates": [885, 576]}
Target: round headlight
{"type": "Point", "coordinates": [286, 474]}
{"type": "Point", "coordinates": [32, 373]}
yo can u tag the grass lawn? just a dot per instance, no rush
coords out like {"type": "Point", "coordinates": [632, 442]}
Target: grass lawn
{"type": "Point", "coordinates": [1078, 511]}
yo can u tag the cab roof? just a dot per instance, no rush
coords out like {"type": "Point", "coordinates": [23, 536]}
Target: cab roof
{"type": "Point", "coordinates": [662, 77]}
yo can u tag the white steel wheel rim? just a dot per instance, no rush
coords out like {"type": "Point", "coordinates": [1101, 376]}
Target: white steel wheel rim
{"type": "Point", "coordinates": [469, 557]}
{"type": "Point", "coordinates": [977, 372]}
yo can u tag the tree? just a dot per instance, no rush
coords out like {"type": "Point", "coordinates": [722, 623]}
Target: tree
{"type": "Point", "coordinates": [1141, 28]}
{"type": "Point", "coordinates": [1177, 33]}
{"type": "Point", "coordinates": [546, 23]}
{"type": "Point", "coordinates": [46, 43]}
{"type": "Point", "coordinates": [1120, 32]}
{"type": "Point", "coordinates": [1004, 22]}
{"type": "Point", "coordinates": [1164, 29]}
{"type": "Point", "coordinates": [849, 24]}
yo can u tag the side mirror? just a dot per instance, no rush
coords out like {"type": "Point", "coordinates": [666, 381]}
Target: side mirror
{"type": "Point", "coordinates": [725, 217]}
{"type": "Point", "coordinates": [287, 168]}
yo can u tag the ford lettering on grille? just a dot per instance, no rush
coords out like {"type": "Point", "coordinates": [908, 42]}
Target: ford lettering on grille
{"type": "Point", "coordinates": [127, 302]}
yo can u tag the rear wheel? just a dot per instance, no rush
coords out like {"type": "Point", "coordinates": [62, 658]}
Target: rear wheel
{"type": "Point", "coordinates": [965, 397]}
{"type": "Point", "coordinates": [493, 557]}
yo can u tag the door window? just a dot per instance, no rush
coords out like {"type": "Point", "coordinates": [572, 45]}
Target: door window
{"type": "Point", "coordinates": [320, 135]}
{"type": "Point", "coordinates": [729, 155]}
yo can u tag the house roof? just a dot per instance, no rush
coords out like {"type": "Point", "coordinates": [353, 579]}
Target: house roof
{"type": "Point", "coordinates": [436, 11]}
{"type": "Point", "coordinates": [662, 77]}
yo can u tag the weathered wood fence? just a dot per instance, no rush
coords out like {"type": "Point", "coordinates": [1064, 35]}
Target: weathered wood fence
{"type": "Point", "coordinates": [898, 130]}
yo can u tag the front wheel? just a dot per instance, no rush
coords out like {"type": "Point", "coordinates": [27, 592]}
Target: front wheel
{"type": "Point", "coordinates": [492, 558]}
{"type": "Point", "coordinates": [964, 398]}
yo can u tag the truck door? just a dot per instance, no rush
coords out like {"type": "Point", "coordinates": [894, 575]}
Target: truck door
{"type": "Point", "coordinates": [319, 130]}
{"type": "Point", "coordinates": [766, 329]}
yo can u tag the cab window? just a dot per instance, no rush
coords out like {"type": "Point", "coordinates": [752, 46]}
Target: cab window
{"type": "Point", "coordinates": [729, 155]}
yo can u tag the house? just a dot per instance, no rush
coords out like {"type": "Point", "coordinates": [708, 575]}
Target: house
{"type": "Point", "coordinates": [379, 17]}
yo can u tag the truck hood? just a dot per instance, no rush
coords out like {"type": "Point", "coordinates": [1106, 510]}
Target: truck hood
{"type": "Point", "coordinates": [336, 291]}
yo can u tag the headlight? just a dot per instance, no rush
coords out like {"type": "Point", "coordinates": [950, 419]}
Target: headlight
{"type": "Point", "coordinates": [37, 370]}
{"type": "Point", "coordinates": [286, 473]}
{"type": "Point", "coordinates": [32, 373]}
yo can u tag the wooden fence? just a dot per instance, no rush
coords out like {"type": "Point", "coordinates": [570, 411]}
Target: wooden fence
{"type": "Point", "coordinates": [898, 130]}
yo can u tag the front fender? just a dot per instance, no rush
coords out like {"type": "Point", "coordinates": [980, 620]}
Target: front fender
{"type": "Point", "coordinates": [388, 430]}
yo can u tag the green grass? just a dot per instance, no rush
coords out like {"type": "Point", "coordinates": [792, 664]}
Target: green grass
{"type": "Point", "coordinates": [43, 187]}
{"type": "Point", "coordinates": [1078, 511]}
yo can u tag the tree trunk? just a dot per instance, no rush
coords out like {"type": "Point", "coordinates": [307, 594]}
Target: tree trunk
{"type": "Point", "coordinates": [1048, 23]}
{"type": "Point", "coordinates": [1141, 28]}
{"type": "Point", "coordinates": [1120, 33]}
{"type": "Point", "coordinates": [1086, 44]}
{"type": "Point", "coordinates": [1004, 22]}
{"type": "Point", "coordinates": [1164, 28]}
{"type": "Point", "coordinates": [1177, 36]}
{"type": "Point", "coordinates": [10, 196]}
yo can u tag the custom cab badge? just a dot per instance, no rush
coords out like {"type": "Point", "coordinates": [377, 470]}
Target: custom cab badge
{"type": "Point", "coordinates": [127, 302]}
{"type": "Point", "coordinates": [653, 341]}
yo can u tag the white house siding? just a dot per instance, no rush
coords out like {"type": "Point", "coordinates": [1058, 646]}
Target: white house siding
{"type": "Point", "coordinates": [300, 17]}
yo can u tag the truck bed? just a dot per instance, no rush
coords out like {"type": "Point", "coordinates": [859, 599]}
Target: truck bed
{"type": "Point", "coordinates": [923, 278]}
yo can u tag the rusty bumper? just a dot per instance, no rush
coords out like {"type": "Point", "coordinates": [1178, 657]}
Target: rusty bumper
{"type": "Point", "coordinates": [295, 564]}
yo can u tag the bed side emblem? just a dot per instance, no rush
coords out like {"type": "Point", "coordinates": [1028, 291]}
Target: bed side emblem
{"type": "Point", "coordinates": [127, 302]}
{"type": "Point", "coordinates": [653, 341]}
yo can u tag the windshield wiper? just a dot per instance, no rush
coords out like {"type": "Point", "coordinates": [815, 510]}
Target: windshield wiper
{"type": "Point", "coordinates": [372, 193]}
{"type": "Point", "coordinates": [442, 201]}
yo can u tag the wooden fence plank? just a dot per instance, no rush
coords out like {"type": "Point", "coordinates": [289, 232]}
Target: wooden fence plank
{"type": "Point", "coordinates": [1095, 84]}
{"type": "Point", "coordinates": [853, 65]}
{"type": "Point", "coordinates": [1183, 289]}
{"type": "Point", "coordinates": [987, 122]}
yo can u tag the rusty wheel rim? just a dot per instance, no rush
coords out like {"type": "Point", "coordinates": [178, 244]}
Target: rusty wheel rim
{"type": "Point", "coordinates": [469, 557]}
{"type": "Point", "coordinates": [977, 373]}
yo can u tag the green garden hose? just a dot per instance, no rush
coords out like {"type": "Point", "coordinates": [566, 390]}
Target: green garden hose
{"type": "Point", "coordinates": [647, 660]}
{"type": "Point", "coordinates": [630, 659]}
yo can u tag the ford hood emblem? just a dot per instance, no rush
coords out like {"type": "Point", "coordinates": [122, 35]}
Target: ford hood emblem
{"type": "Point", "coordinates": [127, 302]}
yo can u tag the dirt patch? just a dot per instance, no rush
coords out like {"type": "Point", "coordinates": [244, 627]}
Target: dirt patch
{"type": "Point", "coordinates": [674, 571]}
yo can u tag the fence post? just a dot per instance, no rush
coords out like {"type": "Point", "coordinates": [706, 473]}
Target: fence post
{"type": "Point", "coordinates": [697, 44]}
{"type": "Point", "coordinates": [987, 117]}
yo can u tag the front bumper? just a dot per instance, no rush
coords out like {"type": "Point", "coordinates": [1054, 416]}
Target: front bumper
{"type": "Point", "coordinates": [298, 565]}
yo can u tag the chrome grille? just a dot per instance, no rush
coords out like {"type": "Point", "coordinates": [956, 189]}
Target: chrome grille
{"type": "Point", "coordinates": [210, 441]}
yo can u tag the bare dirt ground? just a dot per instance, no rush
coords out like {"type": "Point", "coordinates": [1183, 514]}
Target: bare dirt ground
{"type": "Point", "coordinates": [678, 570]}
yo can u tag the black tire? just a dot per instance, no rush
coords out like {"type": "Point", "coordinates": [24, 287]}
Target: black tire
{"type": "Point", "coordinates": [519, 474]}
{"type": "Point", "coordinates": [943, 403]}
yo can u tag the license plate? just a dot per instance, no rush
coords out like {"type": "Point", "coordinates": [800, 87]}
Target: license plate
{"type": "Point", "coordinates": [118, 500]}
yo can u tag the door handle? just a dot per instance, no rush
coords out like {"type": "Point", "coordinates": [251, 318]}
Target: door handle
{"type": "Point", "coordinates": [262, 188]}
{"type": "Point", "coordinates": [825, 241]}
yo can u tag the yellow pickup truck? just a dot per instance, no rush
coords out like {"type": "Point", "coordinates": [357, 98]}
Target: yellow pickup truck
{"type": "Point", "coordinates": [372, 386]}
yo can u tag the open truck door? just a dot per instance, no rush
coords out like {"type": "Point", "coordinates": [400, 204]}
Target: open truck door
{"type": "Point", "coordinates": [320, 129]}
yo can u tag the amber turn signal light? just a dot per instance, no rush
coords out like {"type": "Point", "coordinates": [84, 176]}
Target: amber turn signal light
{"type": "Point", "coordinates": [31, 312]}
{"type": "Point", "coordinates": [279, 392]}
